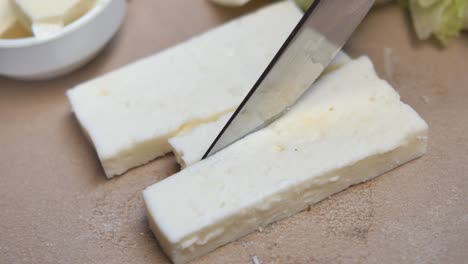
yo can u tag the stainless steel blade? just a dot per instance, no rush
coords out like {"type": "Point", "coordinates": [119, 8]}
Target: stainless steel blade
{"type": "Point", "coordinates": [312, 45]}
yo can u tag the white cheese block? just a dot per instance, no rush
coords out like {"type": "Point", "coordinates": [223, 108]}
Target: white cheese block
{"type": "Point", "coordinates": [47, 17]}
{"type": "Point", "coordinates": [349, 128]}
{"type": "Point", "coordinates": [190, 146]}
{"type": "Point", "coordinates": [131, 113]}
{"type": "Point", "coordinates": [10, 26]}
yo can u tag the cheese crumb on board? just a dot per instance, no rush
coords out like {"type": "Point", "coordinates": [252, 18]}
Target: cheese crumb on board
{"type": "Point", "coordinates": [47, 17]}
{"type": "Point", "coordinates": [195, 82]}
{"type": "Point", "coordinates": [250, 184]}
{"type": "Point", "coordinates": [10, 26]}
{"type": "Point", "coordinates": [190, 146]}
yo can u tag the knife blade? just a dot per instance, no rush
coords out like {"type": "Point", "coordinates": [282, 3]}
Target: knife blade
{"type": "Point", "coordinates": [312, 45]}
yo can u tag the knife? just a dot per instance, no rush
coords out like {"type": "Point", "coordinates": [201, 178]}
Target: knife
{"type": "Point", "coordinates": [312, 45]}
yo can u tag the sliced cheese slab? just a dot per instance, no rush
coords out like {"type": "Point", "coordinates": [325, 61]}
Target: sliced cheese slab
{"type": "Point", "coordinates": [190, 146]}
{"type": "Point", "coordinates": [10, 26]}
{"type": "Point", "coordinates": [349, 128]}
{"type": "Point", "coordinates": [47, 17]}
{"type": "Point", "coordinates": [129, 114]}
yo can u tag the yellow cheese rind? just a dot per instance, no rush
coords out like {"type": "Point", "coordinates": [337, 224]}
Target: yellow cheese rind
{"type": "Point", "coordinates": [190, 146]}
{"type": "Point", "coordinates": [349, 128]}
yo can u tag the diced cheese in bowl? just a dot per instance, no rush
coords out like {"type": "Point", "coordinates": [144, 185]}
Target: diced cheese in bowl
{"type": "Point", "coordinates": [10, 26]}
{"type": "Point", "coordinates": [47, 17]}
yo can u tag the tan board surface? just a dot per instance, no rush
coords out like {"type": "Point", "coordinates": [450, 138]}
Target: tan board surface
{"type": "Point", "coordinates": [57, 207]}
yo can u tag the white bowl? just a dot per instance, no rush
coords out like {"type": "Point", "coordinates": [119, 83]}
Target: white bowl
{"type": "Point", "coordinates": [74, 46]}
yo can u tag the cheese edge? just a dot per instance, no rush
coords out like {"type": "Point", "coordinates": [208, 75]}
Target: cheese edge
{"type": "Point", "coordinates": [414, 147]}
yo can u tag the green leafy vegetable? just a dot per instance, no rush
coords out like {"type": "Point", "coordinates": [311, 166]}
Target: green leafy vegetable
{"type": "Point", "coordinates": [304, 4]}
{"type": "Point", "coordinates": [465, 23]}
{"type": "Point", "coordinates": [443, 18]}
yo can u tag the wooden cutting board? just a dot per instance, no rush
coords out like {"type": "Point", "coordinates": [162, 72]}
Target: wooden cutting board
{"type": "Point", "coordinates": [56, 206]}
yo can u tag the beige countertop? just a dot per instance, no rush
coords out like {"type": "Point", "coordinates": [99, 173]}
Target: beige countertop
{"type": "Point", "coordinates": [56, 205]}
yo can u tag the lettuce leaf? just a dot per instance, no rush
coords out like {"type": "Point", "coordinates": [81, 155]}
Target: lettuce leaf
{"type": "Point", "coordinates": [304, 4]}
{"type": "Point", "coordinates": [443, 18]}
{"type": "Point", "coordinates": [465, 23]}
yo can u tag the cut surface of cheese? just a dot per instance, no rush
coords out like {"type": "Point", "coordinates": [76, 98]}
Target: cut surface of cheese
{"type": "Point", "coordinates": [349, 128]}
{"type": "Point", "coordinates": [10, 26]}
{"type": "Point", "coordinates": [190, 146]}
{"type": "Point", "coordinates": [47, 17]}
{"type": "Point", "coordinates": [131, 113]}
